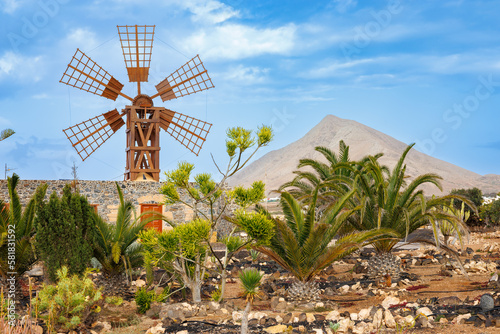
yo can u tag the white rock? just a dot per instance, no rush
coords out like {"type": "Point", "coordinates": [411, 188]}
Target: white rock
{"type": "Point", "coordinates": [377, 318]}
{"type": "Point", "coordinates": [344, 289]}
{"type": "Point", "coordinates": [362, 328]}
{"type": "Point", "coordinates": [354, 316]}
{"type": "Point", "coordinates": [408, 320]}
{"type": "Point", "coordinates": [345, 325]}
{"type": "Point", "coordinates": [157, 330]}
{"type": "Point", "coordinates": [320, 304]}
{"type": "Point", "coordinates": [333, 315]}
{"type": "Point", "coordinates": [461, 319]}
{"type": "Point", "coordinates": [424, 310]}
{"type": "Point", "coordinates": [318, 330]}
{"type": "Point", "coordinates": [364, 314]}
{"type": "Point", "coordinates": [389, 319]}
{"type": "Point", "coordinates": [182, 332]}
{"type": "Point", "coordinates": [139, 283]}
{"type": "Point", "coordinates": [388, 301]}
{"type": "Point", "coordinates": [310, 317]}
{"type": "Point", "coordinates": [279, 319]}
{"type": "Point", "coordinates": [356, 286]}
{"type": "Point", "coordinates": [237, 316]}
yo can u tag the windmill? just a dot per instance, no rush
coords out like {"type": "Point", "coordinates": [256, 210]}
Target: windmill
{"type": "Point", "coordinates": [143, 119]}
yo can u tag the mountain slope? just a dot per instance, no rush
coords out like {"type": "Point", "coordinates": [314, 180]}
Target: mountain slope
{"type": "Point", "coordinates": [362, 140]}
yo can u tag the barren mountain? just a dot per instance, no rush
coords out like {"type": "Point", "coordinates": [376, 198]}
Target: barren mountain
{"type": "Point", "coordinates": [276, 167]}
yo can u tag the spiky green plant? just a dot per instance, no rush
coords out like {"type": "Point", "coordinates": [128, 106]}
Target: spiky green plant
{"type": "Point", "coordinates": [388, 201]}
{"type": "Point", "coordinates": [302, 245]}
{"type": "Point", "coordinates": [447, 229]}
{"type": "Point", "coordinates": [116, 248]}
{"type": "Point", "coordinates": [250, 281]}
{"type": "Point", "coordinates": [19, 225]}
{"type": "Point", "coordinates": [66, 304]}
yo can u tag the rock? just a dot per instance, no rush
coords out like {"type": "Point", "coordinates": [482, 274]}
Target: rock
{"type": "Point", "coordinates": [319, 305]}
{"type": "Point", "coordinates": [202, 311]}
{"type": "Point", "coordinates": [139, 283]}
{"type": "Point", "coordinates": [461, 318]}
{"type": "Point", "coordinates": [279, 319]}
{"type": "Point", "coordinates": [37, 330]}
{"type": "Point", "coordinates": [287, 317]}
{"type": "Point", "coordinates": [494, 278]}
{"type": "Point", "coordinates": [364, 314]}
{"type": "Point", "coordinates": [214, 306]}
{"type": "Point", "coordinates": [362, 328]}
{"type": "Point", "coordinates": [158, 329]}
{"type": "Point", "coordinates": [333, 315]}
{"type": "Point", "coordinates": [424, 310]}
{"type": "Point", "coordinates": [354, 316]}
{"type": "Point", "coordinates": [302, 317]}
{"type": "Point", "coordinates": [389, 319]}
{"type": "Point", "coordinates": [377, 318]}
{"type": "Point", "coordinates": [345, 325]}
{"type": "Point", "coordinates": [281, 306]}
{"type": "Point", "coordinates": [302, 329]}
{"type": "Point", "coordinates": [310, 317]}
{"type": "Point", "coordinates": [388, 301]}
{"type": "Point", "coordinates": [154, 310]}
{"type": "Point", "coordinates": [329, 292]}
{"type": "Point", "coordinates": [276, 329]}
{"type": "Point", "coordinates": [35, 272]}
{"type": "Point", "coordinates": [487, 302]}
{"type": "Point", "coordinates": [318, 330]}
{"type": "Point", "coordinates": [274, 302]}
{"type": "Point", "coordinates": [182, 332]}
{"type": "Point", "coordinates": [237, 316]}
{"type": "Point", "coordinates": [344, 289]}
{"type": "Point", "coordinates": [319, 317]}
{"type": "Point", "coordinates": [450, 301]}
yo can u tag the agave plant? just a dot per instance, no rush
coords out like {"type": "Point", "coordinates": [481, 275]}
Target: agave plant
{"type": "Point", "coordinates": [303, 246]}
{"type": "Point", "coordinates": [20, 223]}
{"type": "Point", "coordinates": [116, 248]}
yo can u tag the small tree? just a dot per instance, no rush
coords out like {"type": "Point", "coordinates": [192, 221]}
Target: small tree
{"type": "Point", "coordinates": [205, 191]}
{"type": "Point", "coordinates": [182, 250]}
{"type": "Point", "coordinates": [250, 281]}
{"type": "Point", "coordinates": [116, 248]}
{"type": "Point", "coordinates": [65, 233]}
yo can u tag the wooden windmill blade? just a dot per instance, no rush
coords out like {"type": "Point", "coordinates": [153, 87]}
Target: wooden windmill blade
{"type": "Point", "coordinates": [190, 78]}
{"type": "Point", "coordinates": [189, 131]}
{"type": "Point", "coordinates": [85, 74]}
{"type": "Point", "coordinates": [137, 44]}
{"type": "Point", "coordinates": [88, 136]}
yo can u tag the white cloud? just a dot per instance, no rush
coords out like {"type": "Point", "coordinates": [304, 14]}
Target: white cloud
{"type": "Point", "coordinates": [336, 68]}
{"type": "Point", "coordinates": [10, 6]}
{"type": "Point", "coordinates": [246, 75]}
{"type": "Point", "coordinates": [209, 11]}
{"type": "Point", "coordinates": [343, 6]}
{"type": "Point", "coordinates": [234, 41]}
{"type": "Point", "coordinates": [82, 38]}
{"type": "Point", "coordinates": [20, 68]}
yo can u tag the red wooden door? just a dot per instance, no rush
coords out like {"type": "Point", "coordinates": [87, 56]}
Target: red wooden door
{"type": "Point", "coordinates": [156, 224]}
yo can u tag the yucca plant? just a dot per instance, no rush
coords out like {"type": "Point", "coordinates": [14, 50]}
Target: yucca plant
{"type": "Point", "coordinates": [250, 281]}
{"type": "Point", "coordinates": [116, 248]}
{"type": "Point", "coordinates": [18, 223]}
{"type": "Point", "coordinates": [303, 246]}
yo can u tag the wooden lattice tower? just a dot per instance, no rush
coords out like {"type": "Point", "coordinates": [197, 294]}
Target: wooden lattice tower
{"type": "Point", "coordinates": [144, 120]}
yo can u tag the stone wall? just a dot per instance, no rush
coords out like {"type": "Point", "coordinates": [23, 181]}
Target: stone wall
{"type": "Point", "coordinates": [104, 194]}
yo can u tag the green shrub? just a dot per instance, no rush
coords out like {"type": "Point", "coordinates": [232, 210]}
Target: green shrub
{"type": "Point", "coordinates": [66, 304]}
{"type": "Point", "coordinates": [65, 233]}
{"type": "Point", "coordinates": [114, 300]}
{"type": "Point", "coordinates": [144, 298]}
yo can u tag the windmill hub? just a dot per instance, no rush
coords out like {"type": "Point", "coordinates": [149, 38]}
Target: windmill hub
{"type": "Point", "coordinates": [144, 121]}
{"type": "Point", "coordinates": [143, 100]}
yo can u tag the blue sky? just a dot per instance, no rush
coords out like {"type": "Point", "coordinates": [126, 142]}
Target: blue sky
{"type": "Point", "coordinates": [421, 71]}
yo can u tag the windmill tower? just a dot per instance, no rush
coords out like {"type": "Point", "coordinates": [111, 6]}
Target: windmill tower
{"type": "Point", "coordinates": [143, 120]}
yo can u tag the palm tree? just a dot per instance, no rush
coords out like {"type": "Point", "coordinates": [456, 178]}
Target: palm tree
{"type": "Point", "coordinates": [302, 245]}
{"type": "Point", "coordinates": [19, 223]}
{"type": "Point", "coordinates": [387, 201]}
{"type": "Point", "coordinates": [116, 248]}
{"type": "Point", "coordinates": [250, 281]}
